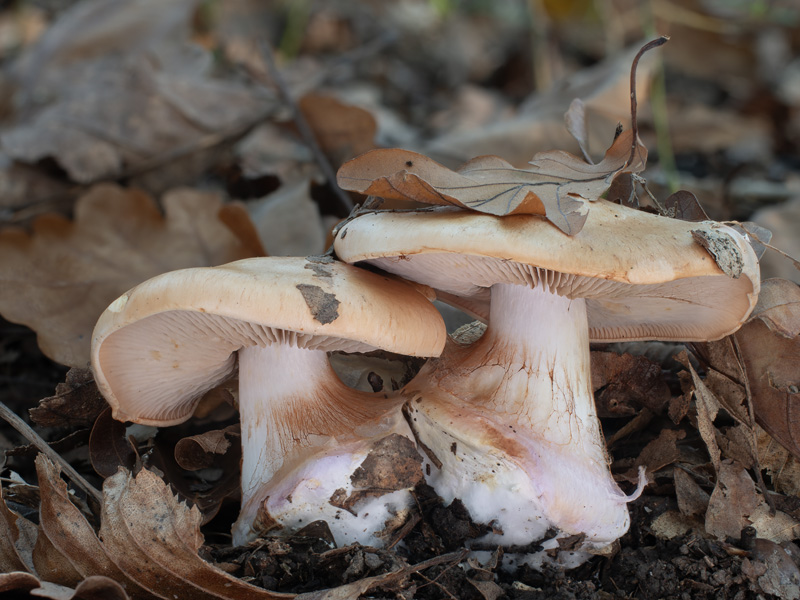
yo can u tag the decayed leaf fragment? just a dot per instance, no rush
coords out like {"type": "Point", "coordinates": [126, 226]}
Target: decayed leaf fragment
{"type": "Point", "coordinates": [558, 185]}
{"type": "Point", "coordinates": [59, 279]}
{"type": "Point", "coordinates": [770, 345]}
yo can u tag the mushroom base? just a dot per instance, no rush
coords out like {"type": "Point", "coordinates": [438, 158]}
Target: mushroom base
{"type": "Point", "coordinates": [509, 426]}
{"type": "Point", "coordinates": [315, 449]}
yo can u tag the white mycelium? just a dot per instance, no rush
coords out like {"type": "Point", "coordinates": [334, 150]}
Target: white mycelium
{"type": "Point", "coordinates": [304, 433]}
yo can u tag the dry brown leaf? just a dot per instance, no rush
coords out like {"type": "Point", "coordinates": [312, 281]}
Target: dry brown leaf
{"type": "Point", "coordinates": [557, 185]}
{"type": "Point", "coordinates": [18, 581]}
{"type": "Point", "coordinates": [109, 446]}
{"type": "Point", "coordinates": [539, 125]}
{"type": "Point", "coordinates": [781, 466]}
{"type": "Point", "coordinates": [198, 451]}
{"type": "Point", "coordinates": [71, 535]}
{"type": "Point", "coordinates": [732, 502]}
{"type": "Point", "coordinates": [692, 499]}
{"type": "Point", "coordinates": [10, 558]}
{"type": "Point", "coordinates": [59, 279]}
{"type": "Point", "coordinates": [625, 383]}
{"type": "Point", "coordinates": [342, 130]}
{"type": "Point", "coordinates": [707, 409]}
{"type": "Point", "coordinates": [76, 403]}
{"type": "Point", "coordinates": [128, 91]}
{"type": "Point", "coordinates": [147, 531]}
{"type": "Point", "coordinates": [770, 345]}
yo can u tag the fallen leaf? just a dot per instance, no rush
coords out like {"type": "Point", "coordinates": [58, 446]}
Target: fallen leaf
{"type": "Point", "coordinates": [735, 504]}
{"type": "Point", "coordinates": [10, 558]}
{"type": "Point", "coordinates": [770, 345]}
{"type": "Point", "coordinates": [707, 409]}
{"type": "Point", "coordinates": [109, 446]}
{"type": "Point", "coordinates": [780, 577]}
{"type": "Point", "coordinates": [342, 130]}
{"type": "Point", "coordinates": [684, 205]}
{"type": "Point", "coordinates": [732, 502]}
{"type": "Point", "coordinates": [66, 529]}
{"type": "Point", "coordinates": [558, 185]}
{"type": "Point", "coordinates": [288, 221]}
{"type": "Point", "coordinates": [59, 278]}
{"type": "Point", "coordinates": [604, 90]}
{"type": "Point", "coordinates": [625, 383]}
{"type": "Point", "coordinates": [125, 95]}
{"type": "Point", "coordinates": [76, 403]}
{"type": "Point", "coordinates": [198, 451]}
{"type": "Point", "coordinates": [692, 499]}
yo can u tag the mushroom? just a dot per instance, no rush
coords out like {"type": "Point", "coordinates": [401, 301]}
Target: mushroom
{"type": "Point", "coordinates": [508, 422]}
{"type": "Point", "coordinates": [160, 346]}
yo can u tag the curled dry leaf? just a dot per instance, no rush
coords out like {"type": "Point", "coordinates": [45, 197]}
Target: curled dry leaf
{"type": "Point", "coordinates": [76, 403]}
{"type": "Point", "coordinates": [198, 451]}
{"type": "Point", "coordinates": [70, 534]}
{"type": "Point", "coordinates": [558, 185]}
{"type": "Point", "coordinates": [109, 446]}
{"type": "Point", "coordinates": [59, 278]}
{"type": "Point", "coordinates": [770, 345]}
{"type": "Point", "coordinates": [10, 558]}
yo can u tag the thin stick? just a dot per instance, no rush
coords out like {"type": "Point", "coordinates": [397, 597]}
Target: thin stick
{"type": "Point", "coordinates": [23, 428]}
{"type": "Point", "coordinates": [303, 127]}
{"type": "Point", "coordinates": [634, 125]}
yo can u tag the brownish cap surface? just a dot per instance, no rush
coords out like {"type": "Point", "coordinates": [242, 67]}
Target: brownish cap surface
{"type": "Point", "coordinates": [643, 276]}
{"type": "Point", "coordinates": [158, 347]}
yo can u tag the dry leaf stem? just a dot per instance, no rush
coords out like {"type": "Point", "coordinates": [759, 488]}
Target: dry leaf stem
{"type": "Point", "coordinates": [303, 127]}
{"type": "Point", "coordinates": [634, 103]}
{"type": "Point", "coordinates": [25, 430]}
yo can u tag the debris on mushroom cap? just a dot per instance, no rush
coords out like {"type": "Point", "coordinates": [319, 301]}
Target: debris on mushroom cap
{"type": "Point", "coordinates": [306, 437]}
{"type": "Point", "coordinates": [644, 277]}
{"type": "Point", "coordinates": [158, 347]}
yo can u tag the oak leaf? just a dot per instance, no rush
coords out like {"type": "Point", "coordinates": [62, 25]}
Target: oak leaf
{"type": "Point", "coordinates": [558, 185]}
{"type": "Point", "coordinates": [59, 278]}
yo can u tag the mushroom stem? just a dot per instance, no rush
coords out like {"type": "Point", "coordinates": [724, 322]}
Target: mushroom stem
{"type": "Point", "coordinates": [304, 433]}
{"type": "Point", "coordinates": [512, 423]}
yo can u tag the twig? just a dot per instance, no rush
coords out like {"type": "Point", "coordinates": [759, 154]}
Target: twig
{"type": "Point", "coordinates": [752, 415]}
{"type": "Point", "coordinates": [303, 127]}
{"type": "Point", "coordinates": [634, 125]}
{"type": "Point", "coordinates": [23, 428]}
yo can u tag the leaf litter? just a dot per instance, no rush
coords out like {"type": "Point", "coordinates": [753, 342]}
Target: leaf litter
{"type": "Point", "coordinates": [668, 417]}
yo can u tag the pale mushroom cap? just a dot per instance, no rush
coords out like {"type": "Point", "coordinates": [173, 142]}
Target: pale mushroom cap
{"type": "Point", "coordinates": [160, 346]}
{"type": "Point", "coordinates": [643, 276]}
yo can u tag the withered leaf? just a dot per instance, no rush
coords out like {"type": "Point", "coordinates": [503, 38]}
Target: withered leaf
{"type": "Point", "coordinates": [109, 447]}
{"type": "Point", "coordinates": [342, 131]}
{"type": "Point", "coordinates": [124, 85]}
{"type": "Point", "coordinates": [59, 279]}
{"type": "Point", "coordinates": [692, 499]}
{"type": "Point", "coordinates": [625, 383]}
{"type": "Point", "coordinates": [198, 451]}
{"type": "Point", "coordinates": [684, 205]}
{"type": "Point", "coordinates": [707, 409]}
{"type": "Point", "coordinates": [732, 502]}
{"type": "Point", "coordinates": [76, 403]}
{"type": "Point", "coordinates": [147, 531]}
{"type": "Point", "coordinates": [770, 345]}
{"type": "Point", "coordinates": [67, 529]}
{"type": "Point", "coordinates": [557, 185]}
{"type": "Point", "coordinates": [10, 559]}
